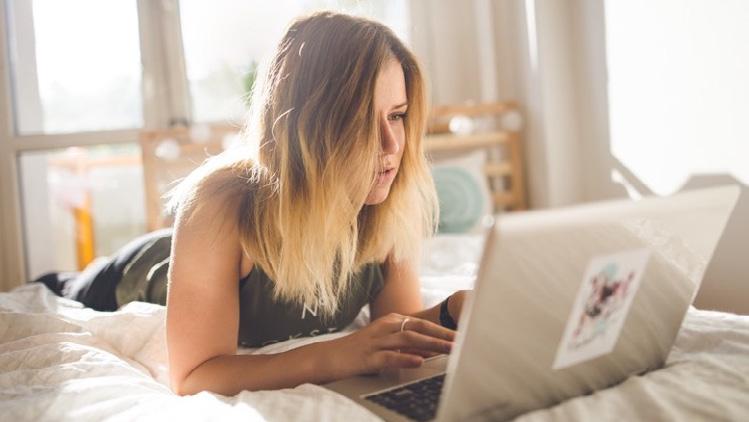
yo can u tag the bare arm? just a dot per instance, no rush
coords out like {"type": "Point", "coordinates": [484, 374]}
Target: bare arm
{"type": "Point", "coordinates": [402, 293]}
{"type": "Point", "coordinates": [230, 374]}
{"type": "Point", "coordinates": [203, 317]}
{"type": "Point", "coordinates": [203, 322]}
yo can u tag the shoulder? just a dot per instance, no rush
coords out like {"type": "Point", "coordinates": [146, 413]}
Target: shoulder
{"type": "Point", "coordinates": [206, 245]}
{"type": "Point", "coordinates": [216, 207]}
{"type": "Point", "coordinates": [219, 189]}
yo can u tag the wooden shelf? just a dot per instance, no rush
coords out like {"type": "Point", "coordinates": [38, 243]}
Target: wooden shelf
{"type": "Point", "coordinates": [504, 166]}
{"type": "Point", "coordinates": [452, 142]}
{"type": "Point", "coordinates": [498, 170]}
{"type": "Point", "coordinates": [472, 110]}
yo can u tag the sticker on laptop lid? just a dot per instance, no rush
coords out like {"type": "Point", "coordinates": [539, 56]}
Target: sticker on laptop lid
{"type": "Point", "coordinates": [601, 307]}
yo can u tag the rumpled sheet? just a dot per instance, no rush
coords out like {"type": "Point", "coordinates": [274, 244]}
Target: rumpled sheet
{"type": "Point", "coordinates": [60, 361]}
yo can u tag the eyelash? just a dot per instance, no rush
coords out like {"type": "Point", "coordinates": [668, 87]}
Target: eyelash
{"type": "Point", "coordinates": [397, 116]}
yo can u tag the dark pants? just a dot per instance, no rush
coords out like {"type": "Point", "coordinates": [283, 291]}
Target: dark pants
{"type": "Point", "coordinates": [95, 285]}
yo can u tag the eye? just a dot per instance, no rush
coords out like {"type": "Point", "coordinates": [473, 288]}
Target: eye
{"type": "Point", "coordinates": [397, 116]}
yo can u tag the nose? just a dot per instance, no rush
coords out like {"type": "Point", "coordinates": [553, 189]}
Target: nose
{"type": "Point", "coordinates": [389, 141]}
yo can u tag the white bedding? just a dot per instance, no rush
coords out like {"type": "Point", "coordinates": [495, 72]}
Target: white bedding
{"type": "Point", "coordinates": [59, 361]}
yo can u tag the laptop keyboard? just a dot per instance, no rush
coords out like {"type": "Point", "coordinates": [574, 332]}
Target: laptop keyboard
{"type": "Point", "coordinates": [417, 401]}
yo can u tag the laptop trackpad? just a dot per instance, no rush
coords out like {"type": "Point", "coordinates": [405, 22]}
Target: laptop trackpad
{"type": "Point", "coordinates": [430, 367]}
{"type": "Point", "coordinates": [367, 384]}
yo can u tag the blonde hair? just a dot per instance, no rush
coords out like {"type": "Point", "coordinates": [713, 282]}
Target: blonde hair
{"type": "Point", "coordinates": [300, 206]}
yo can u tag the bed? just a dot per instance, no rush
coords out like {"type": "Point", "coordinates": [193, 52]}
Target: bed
{"type": "Point", "coordinates": [60, 361]}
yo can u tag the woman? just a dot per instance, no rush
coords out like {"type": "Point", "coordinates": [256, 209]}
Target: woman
{"type": "Point", "coordinates": [327, 219]}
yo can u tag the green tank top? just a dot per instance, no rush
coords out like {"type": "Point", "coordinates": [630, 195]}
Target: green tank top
{"type": "Point", "coordinates": [262, 319]}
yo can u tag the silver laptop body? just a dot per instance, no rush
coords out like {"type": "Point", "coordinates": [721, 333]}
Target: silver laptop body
{"type": "Point", "coordinates": [536, 330]}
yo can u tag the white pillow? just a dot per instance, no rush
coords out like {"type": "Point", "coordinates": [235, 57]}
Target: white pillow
{"type": "Point", "coordinates": [463, 191]}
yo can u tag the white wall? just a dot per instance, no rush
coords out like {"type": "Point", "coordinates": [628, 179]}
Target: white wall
{"type": "Point", "coordinates": [678, 89]}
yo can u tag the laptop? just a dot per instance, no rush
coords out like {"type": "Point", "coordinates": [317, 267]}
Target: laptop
{"type": "Point", "coordinates": [566, 302]}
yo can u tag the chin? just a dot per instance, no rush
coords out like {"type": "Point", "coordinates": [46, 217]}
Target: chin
{"type": "Point", "coordinates": [377, 196]}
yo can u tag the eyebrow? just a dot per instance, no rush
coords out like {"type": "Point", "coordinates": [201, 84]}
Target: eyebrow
{"type": "Point", "coordinates": [400, 105]}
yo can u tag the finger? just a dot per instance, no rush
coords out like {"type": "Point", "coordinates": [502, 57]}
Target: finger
{"type": "Point", "coordinates": [392, 359]}
{"type": "Point", "coordinates": [423, 353]}
{"type": "Point", "coordinates": [388, 323]}
{"type": "Point", "coordinates": [413, 340]}
{"type": "Point", "coordinates": [429, 328]}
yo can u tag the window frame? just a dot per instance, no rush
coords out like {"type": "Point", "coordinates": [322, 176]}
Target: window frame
{"type": "Point", "coordinates": [166, 101]}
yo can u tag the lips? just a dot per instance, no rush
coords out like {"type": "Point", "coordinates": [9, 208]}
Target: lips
{"type": "Point", "coordinates": [386, 175]}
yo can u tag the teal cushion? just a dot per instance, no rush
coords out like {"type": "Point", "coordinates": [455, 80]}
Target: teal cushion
{"type": "Point", "coordinates": [463, 193]}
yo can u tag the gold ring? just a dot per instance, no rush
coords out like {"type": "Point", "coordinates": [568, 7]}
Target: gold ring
{"type": "Point", "coordinates": [403, 323]}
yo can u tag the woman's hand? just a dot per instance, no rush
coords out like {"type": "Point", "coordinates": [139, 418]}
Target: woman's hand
{"type": "Point", "coordinates": [382, 345]}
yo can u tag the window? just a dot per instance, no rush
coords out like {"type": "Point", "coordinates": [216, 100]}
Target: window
{"type": "Point", "coordinates": [678, 89]}
{"type": "Point", "coordinates": [80, 203]}
{"type": "Point", "coordinates": [86, 76]}
{"type": "Point", "coordinates": [224, 40]}
{"type": "Point", "coordinates": [75, 65]}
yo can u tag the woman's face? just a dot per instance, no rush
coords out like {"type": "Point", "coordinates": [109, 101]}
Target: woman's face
{"type": "Point", "coordinates": [390, 104]}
